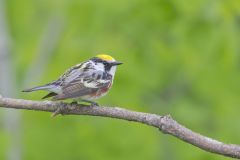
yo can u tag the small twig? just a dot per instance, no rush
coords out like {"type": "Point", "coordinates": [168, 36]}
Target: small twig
{"type": "Point", "coordinates": [59, 110]}
{"type": "Point", "coordinates": [164, 123]}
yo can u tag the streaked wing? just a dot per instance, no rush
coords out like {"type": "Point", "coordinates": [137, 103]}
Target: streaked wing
{"type": "Point", "coordinates": [72, 74]}
{"type": "Point", "coordinates": [84, 84]}
{"type": "Point", "coordinates": [74, 91]}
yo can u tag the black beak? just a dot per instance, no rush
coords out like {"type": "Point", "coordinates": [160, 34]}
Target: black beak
{"type": "Point", "coordinates": [116, 63]}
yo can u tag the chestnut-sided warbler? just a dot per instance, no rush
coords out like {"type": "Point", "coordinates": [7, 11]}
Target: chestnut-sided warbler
{"type": "Point", "coordinates": [86, 81]}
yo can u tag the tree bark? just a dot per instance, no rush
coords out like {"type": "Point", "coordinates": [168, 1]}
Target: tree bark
{"type": "Point", "coordinates": [165, 124]}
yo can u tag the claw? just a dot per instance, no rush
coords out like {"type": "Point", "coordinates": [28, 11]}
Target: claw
{"type": "Point", "coordinates": [94, 104]}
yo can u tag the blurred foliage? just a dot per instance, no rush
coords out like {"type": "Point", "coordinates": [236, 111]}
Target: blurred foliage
{"type": "Point", "coordinates": [180, 58]}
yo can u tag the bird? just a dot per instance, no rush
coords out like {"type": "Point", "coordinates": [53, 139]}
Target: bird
{"type": "Point", "coordinates": [84, 82]}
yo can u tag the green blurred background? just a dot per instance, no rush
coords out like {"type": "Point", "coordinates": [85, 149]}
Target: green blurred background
{"type": "Point", "coordinates": [180, 58]}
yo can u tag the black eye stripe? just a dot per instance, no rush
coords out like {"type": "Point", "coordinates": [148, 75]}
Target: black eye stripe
{"type": "Point", "coordinates": [107, 65]}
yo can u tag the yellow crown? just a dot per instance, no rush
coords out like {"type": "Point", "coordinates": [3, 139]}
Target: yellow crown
{"type": "Point", "coordinates": [105, 57]}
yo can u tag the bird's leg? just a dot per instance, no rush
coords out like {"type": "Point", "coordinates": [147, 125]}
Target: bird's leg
{"type": "Point", "coordinates": [93, 104]}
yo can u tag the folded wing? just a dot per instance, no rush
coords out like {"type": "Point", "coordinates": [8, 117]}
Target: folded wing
{"type": "Point", "coordinates": [84, 84]}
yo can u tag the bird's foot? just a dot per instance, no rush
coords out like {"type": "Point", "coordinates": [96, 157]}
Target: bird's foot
{"type": "Point", "coordinates": [60, 110]}
{"type": "Point", "coordinates": [93, 104]}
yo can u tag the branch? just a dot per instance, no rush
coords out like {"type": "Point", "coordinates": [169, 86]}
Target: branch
{"type": "Point", "coordinates": [165, 124]}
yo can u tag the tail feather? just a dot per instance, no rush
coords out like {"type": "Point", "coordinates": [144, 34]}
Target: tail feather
{"type": "Point", "coordinates": [51, 94]}
{"type": "Point", "coordinates": [45, 87]}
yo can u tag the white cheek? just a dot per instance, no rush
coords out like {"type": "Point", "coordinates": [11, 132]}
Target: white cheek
{"type": "Point", "coordinates": [113, 70]}
{"type": "Point", "coordinates": [99, 66]}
